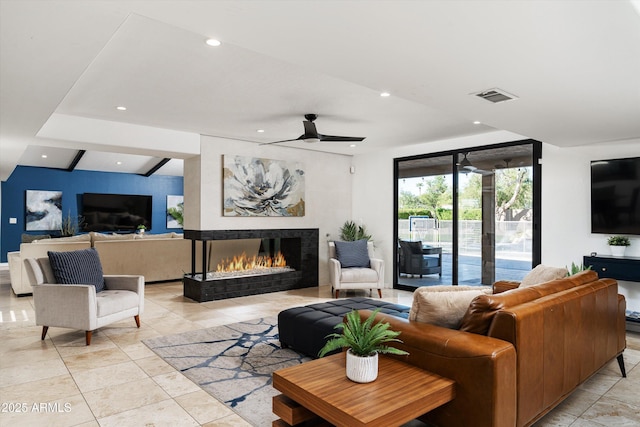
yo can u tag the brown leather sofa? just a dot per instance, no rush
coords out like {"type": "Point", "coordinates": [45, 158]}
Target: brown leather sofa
{"type": "Point", "coordinates": [519, 353]}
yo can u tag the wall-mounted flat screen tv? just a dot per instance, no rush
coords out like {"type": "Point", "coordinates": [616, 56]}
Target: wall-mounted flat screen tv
{"type": "Point", "coordinates": [615, 196]}
{"type": "Point", "coordinates": [115, 212]}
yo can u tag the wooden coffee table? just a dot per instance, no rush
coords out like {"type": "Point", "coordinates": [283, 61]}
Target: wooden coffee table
{"type": "Point", "coordinates": [320, 388]}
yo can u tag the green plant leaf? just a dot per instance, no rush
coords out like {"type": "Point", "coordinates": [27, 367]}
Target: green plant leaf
{"type": "Point", "coordinates": [363, 338]}
{"type": "Point", "coordinates": [351, 232]}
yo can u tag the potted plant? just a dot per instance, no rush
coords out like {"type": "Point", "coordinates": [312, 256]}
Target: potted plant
{"type": "Point", "coordinates": [577, 268]}
{"type": "Point", "coordinates": [618, 244]}
{"type": "Point", "coordinates": [350, 232]}
{"type": "Point", "coordinates": [70, 225]}
{"type": "Point", "coordinates": [141, 229]}
{"type": "Point", "coordinates": [364, 341]}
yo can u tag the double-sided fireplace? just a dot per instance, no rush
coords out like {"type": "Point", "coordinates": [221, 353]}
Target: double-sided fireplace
{"type": "Point", "coordinates": [286, 259]}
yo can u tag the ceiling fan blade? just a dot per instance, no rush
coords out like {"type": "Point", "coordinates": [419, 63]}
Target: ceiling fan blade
{"type": "Point", "coordinates": [284, 140]}
{"type": "Point", "coordinates": [482, 172]}
{"type": "Point", "coordinates": [311, 134]}
{"type": "Point", "coordinates": [335, 138]}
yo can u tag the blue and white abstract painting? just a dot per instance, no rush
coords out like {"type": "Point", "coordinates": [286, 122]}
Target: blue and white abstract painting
{"type": "Point", "coordinates": [43, 210]}
{"type": "Point", "coordinates": [262, 187]}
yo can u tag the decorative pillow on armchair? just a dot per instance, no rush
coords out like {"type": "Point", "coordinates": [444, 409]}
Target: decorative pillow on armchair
{"type": "Point", "coordinates": [443, 305]}
{"type": "Point", "coordinates": [353, 254]}
{"type": "Point", "coordinates": [81, 267]}
{"type": "Point", "coordinates": [543, 273]}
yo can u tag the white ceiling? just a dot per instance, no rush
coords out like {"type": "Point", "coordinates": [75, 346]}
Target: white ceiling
{"type": "Point", "coordinates": [66, 65]}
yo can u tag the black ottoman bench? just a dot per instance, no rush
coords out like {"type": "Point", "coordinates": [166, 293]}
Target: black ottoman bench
{"type": "Point", "coordinates": [304, 329]}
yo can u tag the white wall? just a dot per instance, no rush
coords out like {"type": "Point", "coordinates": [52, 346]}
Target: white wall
{"type": "Point", "coordinates": [334, 195]}
{"type": "Point", "coordinates": [566, 235]}
{"type": "Point", "coordinates": [328, 188]}
{"type": "Point", "coordinates": [566, 222]}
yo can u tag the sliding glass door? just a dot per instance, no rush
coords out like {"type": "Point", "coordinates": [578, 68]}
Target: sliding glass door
{"type": "Point", "coordinates": [467, 216]}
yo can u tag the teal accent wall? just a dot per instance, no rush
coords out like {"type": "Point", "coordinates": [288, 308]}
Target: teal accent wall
{"type": "Point", "coordinates": [73, 185]}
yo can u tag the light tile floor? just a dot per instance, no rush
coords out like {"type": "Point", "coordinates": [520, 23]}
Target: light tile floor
{"type": "Point", "coordinates": [118, 381]}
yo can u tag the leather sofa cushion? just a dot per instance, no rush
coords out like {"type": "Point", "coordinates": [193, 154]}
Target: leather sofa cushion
{"type": "Point", "coordinates": [443, 305]}
{"type": "Point", "coordinates": [483, 308]}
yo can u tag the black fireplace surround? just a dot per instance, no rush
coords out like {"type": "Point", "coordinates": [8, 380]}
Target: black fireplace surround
{"type": "Point", "coordinates": [299, 247]}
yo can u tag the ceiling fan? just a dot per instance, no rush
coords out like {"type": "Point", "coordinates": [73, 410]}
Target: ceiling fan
{"type": "Point", "coordinates": [466, 166]}
{"type": "Point", "coordinates": [505, 165]}
{"type": "Point", "coordinates": [311, 135]}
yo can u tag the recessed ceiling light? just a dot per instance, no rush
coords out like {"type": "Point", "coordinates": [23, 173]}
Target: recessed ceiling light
{"type": "Point", "coordinates": [353, 145]}
{"type": "Point", "coordinates": [121, 108]}
{"type": "Point", "coordinates": [385, 94]}
{"type": "Point", "coordinates": [260, 131]}
{"type": "Point", "coordinates": [118, 163]}
{"type": "Point", "coordinates": [44, 156]}
{"type": "Point", "coordinates": [213, 42]}
{"type": "Point", "coordinates": [476, 122]}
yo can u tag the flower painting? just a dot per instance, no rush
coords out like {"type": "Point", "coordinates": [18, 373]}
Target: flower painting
{"type": "Point", "coordinates": [262, 187]}
{"type": "Point", "coordinates": [43, 210]}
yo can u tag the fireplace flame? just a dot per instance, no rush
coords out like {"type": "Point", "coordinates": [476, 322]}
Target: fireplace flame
{"type": "Point", "coordinates": [243, 263]}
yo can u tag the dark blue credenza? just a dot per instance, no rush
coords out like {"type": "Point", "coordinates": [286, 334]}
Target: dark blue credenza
{"type": "Point", "coordinates": [619, 268]}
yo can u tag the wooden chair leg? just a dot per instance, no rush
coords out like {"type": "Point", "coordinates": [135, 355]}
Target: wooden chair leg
{"type": "Point", "coordinates": [44, 332]}
{"type": "Point", "coordinates": [87, 337]}
{"type": "Point", "coordinates": [137, 319]}
{"type": "Point", "coordinates": [380, 292]}
{"type": "Point", "coordinates": [337, 293]}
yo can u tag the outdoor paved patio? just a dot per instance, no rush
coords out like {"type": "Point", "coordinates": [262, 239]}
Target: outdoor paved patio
{"type": "Point", "coordinates": [469, 273]}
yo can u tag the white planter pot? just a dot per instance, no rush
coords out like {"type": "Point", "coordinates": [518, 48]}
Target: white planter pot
{"type": "Point", "coordinates": [617, 250]}
{"type": "Point", "coordinates": [362, 369]}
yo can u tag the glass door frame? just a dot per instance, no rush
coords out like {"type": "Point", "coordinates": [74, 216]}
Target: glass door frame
{"type": "Point", "coordinates": [536, 249]}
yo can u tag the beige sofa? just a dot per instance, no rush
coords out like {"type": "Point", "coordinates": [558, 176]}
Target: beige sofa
{"type": "Point", "coordinates": [157, 257]}
{"type": "Point", "coordinates": [161, 258]}
{"type": "Point", "coordinates": [17, 270]}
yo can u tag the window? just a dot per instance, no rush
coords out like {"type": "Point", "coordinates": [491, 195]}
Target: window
{"type": "Point", "coordinates": [475, 213]}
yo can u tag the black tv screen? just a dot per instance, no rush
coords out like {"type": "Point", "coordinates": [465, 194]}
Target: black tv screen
{"type": "Point", "coordinates": [615, 196]}
{"type": "Point", "coordinates": [115, 212]}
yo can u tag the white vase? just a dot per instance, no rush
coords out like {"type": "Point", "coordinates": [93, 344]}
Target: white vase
{"type": "Point", "coordinates": [362, 369]}
{"type": "Point", "coordinates": [617, 250]}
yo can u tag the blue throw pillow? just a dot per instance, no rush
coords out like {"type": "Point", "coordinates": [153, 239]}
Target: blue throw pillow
{"type": "Point", "coordinates": [81, 267]}
{"type": "Point", "coordinates": [353, 254]}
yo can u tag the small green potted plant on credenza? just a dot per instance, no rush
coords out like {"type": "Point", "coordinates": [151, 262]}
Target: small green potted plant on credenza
{"type": "Point", "coordinates": [618, 244]}
{"type": "Point", "coordinates": [141, 229]}
{"type": "Point", "coordinates": [364, 341]}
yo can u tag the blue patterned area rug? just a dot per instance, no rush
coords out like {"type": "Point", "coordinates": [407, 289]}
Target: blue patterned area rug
{"type": "Point", "coordinates": [233, 363]}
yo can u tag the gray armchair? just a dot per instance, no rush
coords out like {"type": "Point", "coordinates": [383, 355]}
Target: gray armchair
{"type": "Point", "coordinates": [80, 306]}
{"type": "Point", "coordinates": [416, 259]}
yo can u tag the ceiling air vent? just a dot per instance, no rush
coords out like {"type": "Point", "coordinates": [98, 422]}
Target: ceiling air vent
{"type": "Point", "coordinates": [495, 95]}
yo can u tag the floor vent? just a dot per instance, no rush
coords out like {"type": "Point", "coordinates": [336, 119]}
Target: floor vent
{"type": "Point", "coordinates": [495, 95]}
